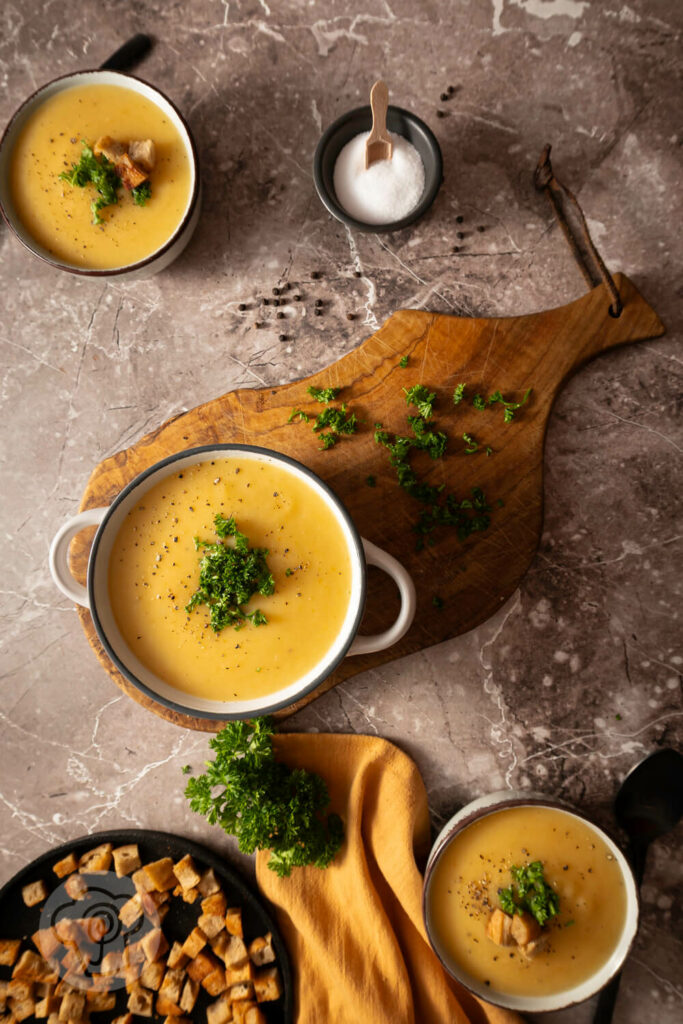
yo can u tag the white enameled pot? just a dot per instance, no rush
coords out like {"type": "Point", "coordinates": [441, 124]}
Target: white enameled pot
{"type": "Point", "coordinates": [173, 246]}
{"type": "Point", "coordinates": [95, 596]}
{"type": "Point", "coordinates": [489, 804]}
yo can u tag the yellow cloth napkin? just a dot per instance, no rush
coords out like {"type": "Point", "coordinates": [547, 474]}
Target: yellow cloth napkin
{"type": "Point", "coordinates": [355, 933]}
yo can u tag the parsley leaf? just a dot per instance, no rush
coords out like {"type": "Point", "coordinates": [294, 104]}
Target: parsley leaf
{"type": "Point", "coordinates": [141, 193]}
{"type": "Point", "coordinates": [337, 422]}
{"type": "Point", "coordinates": [471, 446]}
{"type": "Point", "coordinates": [323, 395]}
{"type": "Point", "coordinates": [459, 394]}
{"type": "Point", "coordinates": [262, 802]}
{"type": "Point", "coordinates": [403, 362]}
{"type": "Point", "coordinates": [229, 576]}
{"type": "Point", "coordinates": [532, 893]}
{"type": "Point", "coordinates": [98, 172]}
{"type": "Point", "coordinates": [298, 414]}
{"type": "Point", "coordinates": [422, 398]}
{"type": "Point", "coordinates": [509, 407]}
{"type": "Point", "coordinates": [479, 402]}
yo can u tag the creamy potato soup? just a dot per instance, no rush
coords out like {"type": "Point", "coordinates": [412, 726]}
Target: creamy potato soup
{"type": "Point", "coordinates": [154, 571]}
{"type": "Point", "coordinates": [577, 865]}
{"type": "Point", "coordinates": [59, 216]}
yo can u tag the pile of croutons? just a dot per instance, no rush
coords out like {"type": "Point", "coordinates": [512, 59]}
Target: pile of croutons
{"type": "Point", "coordinates": [62, 982]}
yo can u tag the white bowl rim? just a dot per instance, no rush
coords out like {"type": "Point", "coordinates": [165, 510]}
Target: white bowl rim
{"type": "Point", "coordinates": [190, 145]}
{"type": "Point", "coordinates": [492, 803]}
{"type": "Point", "coordinates": [231, 710]}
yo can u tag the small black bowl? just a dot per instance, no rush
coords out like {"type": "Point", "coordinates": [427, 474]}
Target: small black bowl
{"type": "Point", "coordinates": [352, 123]}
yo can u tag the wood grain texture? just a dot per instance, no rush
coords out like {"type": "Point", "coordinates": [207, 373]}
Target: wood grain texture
{"type": "Point", "coordinates": [473, 579]}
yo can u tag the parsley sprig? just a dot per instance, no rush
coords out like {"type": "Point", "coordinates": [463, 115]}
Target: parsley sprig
{"type": "Point", "coordinates": [99, 172]}
{"type": "Point", "coordinates": [333, 423]}
{"type": "Point", "coordinates": [229, 575]}
{"type": "Point", "coordinates": [262, 802]}
{"type": "Point", "coordinates": [532, 893]}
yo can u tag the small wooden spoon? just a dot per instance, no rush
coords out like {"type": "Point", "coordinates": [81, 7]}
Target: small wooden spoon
{"type": "Point", "coordinates": [379, 145]}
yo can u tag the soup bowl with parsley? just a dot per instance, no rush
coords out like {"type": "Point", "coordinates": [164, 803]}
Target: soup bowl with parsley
{"type": "Point", "coordinates": [99, 176]}
{"type": "Point", "coordinates": [228, 581]}
{"type": "Point", "coordinates": [528, 903]}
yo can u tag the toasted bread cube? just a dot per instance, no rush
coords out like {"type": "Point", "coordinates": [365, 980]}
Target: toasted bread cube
{"type": "Point", "coordinates": [243, 990]}
{"type": "Point", "coordinates": [208, 883]}
{"type": "Point", "coordinates": [498, 928]}
{"type": "Point", "coordinates": [126, 859]}
{"type": "Point", "coordinates": [20, 988]}
{"type": "Point", "coordinates": [218, 944]}
{"type": "Point", "coordinates": [131, 910]}
{"type": "Point", "coordinates": [267, 984]}
{"type": "Point", "coordinates": [34, 893]}
{"type": "Point", "coordinates": [97, 1002]}
{"type": "Point", "coordinates": [160, 873]}
{"type": "Point", "coordinates": [172, 985]}
{"type": "Point", "coordinates": [73, 1006]}
{"type": "Point", "coordinates": [187, 895]}
{"type": "Point", "coordinates": [32, 967]}
{"type": "Point", "coordinates": [69, 933]}
{"type": "Point", "coordinates": [235, 954]}
{"type": "Point", "coordinates": [66, 865]}
{"type": "Point", "coordinates": [177, 1020]}
{"type": "Point", "coordinates": [215, 982]}
{"type": "Point", "coordinates": [142, 881]}
{"type": "Point", "coordinates": [152, 902]}
{"type": "Point", "coordinates": [3, 995]}
{"type": "Point", "coordinates": [100, 983]}
{"type": "Point", "coordinates": [45, 941]}
{"type": "Point", "coordinates": [204, 963]}
{"type": "Point", "coordinates": [189, 995]}
{"type": "Point", "coordinates": [194, 942]}
{"type": "Point", "coordinates": [133, 954]}
{"type": "Point", "coordinates": [75, 961]}
{"type": "Point", "coordinates": [126, 1018]}
{"type": "Point", "coordinates": [254, 1015]}
{"type": "Point", "coordinates": [152, 975]}
{"type": "Point", "coordinates": [141, 1001]}
{"type": "Point", "coordinates": [49, 1003]}
{"type": "Point", "coordinates": [112, 964]}
{"type": "Point", "coordinates": [211, 924]}
{"type": "Point", "coordinates": [219, 1012]}
{"type": "Point", "coordinates": [176, 957]}
{"type": "Point", "coordinates": [167, 1008]}
{"type": "Point", "coordinates": [97, 859]}
{"type": "Point", "coordinates": [154, 944]}
{"type": "Point", "coordinates": [186, 872]}
{"type": "Point", "coordinates": [524, 928]}
{"type": "Point", "coordinates": [215, 904]}
{"type": "Point", "coordinates": [234, 975]}
{"type": "Point", "coordinates": [76, 887]}
{"type": "Point", "coordinates": [93, 928]}
{"type": "Point", "coordinates": [22, 1009]}
{"type": "Point", "coordinates": [233, 921]}
{"type": "Point", "coordinates": [261, 950]}
{"type": "Point", "coordinates": [240, 1009]}
{"type": "Point", "coordinates": [9, 951]}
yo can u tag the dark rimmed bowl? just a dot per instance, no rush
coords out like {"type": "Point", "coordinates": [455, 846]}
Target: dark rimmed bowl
{"type": "Point", "coordinates": [491, 804]}
{"type": "Point", "coordinates": [401, 122]}
{"type": "Point", "coordinates": [173, 246]}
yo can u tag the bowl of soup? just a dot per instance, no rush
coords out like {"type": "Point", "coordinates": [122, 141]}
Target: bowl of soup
{"type": "Point", "coordinates": [527, 903]}
{"type": "Point", "coordinates": [99, 176]}
{"type": "Point", "coordinates": [228, 581]}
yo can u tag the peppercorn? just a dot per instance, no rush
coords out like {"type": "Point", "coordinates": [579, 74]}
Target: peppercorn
{"type": "Point", "coordinates": [276, 291]}
{"type": "Point", "coordinates": [241, 307]}
{"type": "Point", "coordinates": [315, 274]}
{"type": "Point", "coordinates": [318, 312]}
{"type": "Point", "coordinates": [443, 97]}
{"type": "Point", "coordinates": [481, 228]}
{"type": "Point", "coordinates": [318, 303]}
{"type": "Point", "coordinates": [280, 316]}
{"type": "Point", "coordinates": [459, 218]}
{"type": "Point", "coordinates": [460, 234]}
{"type": "Point", "coordinates": [350, 316]}
{"type": "Point", "coordinates": [282, 337]}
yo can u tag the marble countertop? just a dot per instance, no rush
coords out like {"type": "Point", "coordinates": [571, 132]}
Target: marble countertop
{"type": "Point", "coordinates": [578, 676]}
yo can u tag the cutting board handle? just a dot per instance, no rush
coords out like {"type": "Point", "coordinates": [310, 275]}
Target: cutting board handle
{"type": "Point", "coordinates": [406, 588]}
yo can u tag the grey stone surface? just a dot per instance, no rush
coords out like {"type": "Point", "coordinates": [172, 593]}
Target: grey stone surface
{"type": "Point", "coordinates": [578, 676]}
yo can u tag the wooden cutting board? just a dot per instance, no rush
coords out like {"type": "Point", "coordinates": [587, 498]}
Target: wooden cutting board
{"type": "Point", "coordinates": [473, 578]}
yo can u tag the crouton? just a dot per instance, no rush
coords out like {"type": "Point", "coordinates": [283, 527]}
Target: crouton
{"type": "Point", "coordinates": [126, 1018]}
{"type": "Point", "coordinates": [152, 975]}
{"type": "Point", "coordinates": [240, 1009]}
{"type": "Point", "coordinates": [208, 884]}
{"type": "Point", "coordinates": [141, 1001]}
{"type": "Point", "coordinates": [97, 1002]}
{"type": "Point", "coordinates": [49, 1003]}
{"type": "Point", "coordinates": [66, 865]}
{"type": "Point", "coordinates": [204, 963]}
{"type": "Point", "coordinates": [187, 895]}
{"type": "Point", "coordinates": [167, 1008]}
{"type": "Point", "coordinates": [22, 1009]}
{"type": "Point", "coordinates": [152, 903]}
{"type": "Point", "coordinates": [215, 983]}
{"type": "Point", "coordinates": [186, 872]}
{"type": "Point", "coordinates": [34, 893]}
{"type": "Point", "coordinates": [498, 928]}
{"type": "Point", "coordinates": [524, 928]}
{"type": "Point", "coordinates": [45, 941]}
{"type": "Point", "coordinates": [32, 967]}
{"type": "Point", "coordinates": [235, 953]}
{"type": "Point", "coordinates": [9, 951]}
{"type": "Point", "coordinates": [254, 1015]}
{"type": "Point", "coordinates": [126, 859]}
{"type": "Point", "coordinates": [154, 944]}
{"type": "Point", "coordinates": [75, 887]}
{"type": "Point", "coordinates": [234, 975]}
{"type": "Point", "coordinates": [261, 950]}
{"type": "Point", "coordinates": [194, 942]}
{"type": "Point", "coordinates": [142, 881]}
{"type": "Point", "coordinates": [131, 910]}
{"type": "Point", "coordinates": [112, 963]}
{"type": "Point", "coordinates": [97, 859]}
{"type": "Point", "coordinates": [160, 874]}
{"type": "Point", "coordinates": [243, 990]}
{"type": "Point", "coordinates": [219, 1012]}
{"type": "Point", "coordinates": [233, 921]}
{"type": "Point", "coordinates": [73, 1006]}
{"type": "Point", "coordinates": [176, 957]}
{"type": "Point", "coordinates": [172, 986]}
{"type": "Point", "coordinates": [267, 985]}
{"type": "Point", "coordinates": [109, 148]}
{"type": "Point", "coordinates": [189, 995]}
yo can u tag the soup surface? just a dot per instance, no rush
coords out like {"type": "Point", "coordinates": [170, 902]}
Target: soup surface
{"type": "Point", "coordinates": [579, 867]}
{"type": "Point", "coordinates": [154, 571]}
{"type": "Point", "coordinates": [58, 215]}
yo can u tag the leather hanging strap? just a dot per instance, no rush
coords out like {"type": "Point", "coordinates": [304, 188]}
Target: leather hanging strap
{"type": "Point", "coordinates": [573, 223]}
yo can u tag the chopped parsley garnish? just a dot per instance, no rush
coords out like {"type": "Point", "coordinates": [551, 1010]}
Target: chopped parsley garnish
{"type": "Point", "coordinates": [529, 892]}
{"type": "Point", "coordinates": [323, 395]}
{"type": "Point", "coordinates": [403, 362]}
{"type": "Point", "coordinates": [337, 422]}
{"type": "Point", "coordinates": [459, 394]}
{"type": "Point", "coordinates": [229, 575]}
{"type": "Point", "coordinates": [479, 402]}
{"type": "Point", "coordinates": [141, 193]}
{"type": "Point", "coordinates": [298, 414]}
{"type": "Point", "coordinates": [509, 407]}
{"type": "Point", "coordinates": [422, 398]}
{"type": "Point", "coordinates": [262, 802]}
{"type": "Point", "coordinates": [471, 515]}
{"type": "Point", "coordinates": [471, 446]}
{"type": "Point", "coordinates": [100, 172]}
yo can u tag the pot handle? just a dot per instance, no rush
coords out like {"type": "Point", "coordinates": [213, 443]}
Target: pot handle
{"type": "Point", "coordinates": [59, 551]}
{"type": "Point", "coordinates": [401, 577]}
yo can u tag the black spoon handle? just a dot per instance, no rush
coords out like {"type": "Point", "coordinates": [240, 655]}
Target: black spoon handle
{"type": "Point", "coordinates": [607, 1000]}
{"type": "Point", "coordinates": [129, 55]}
